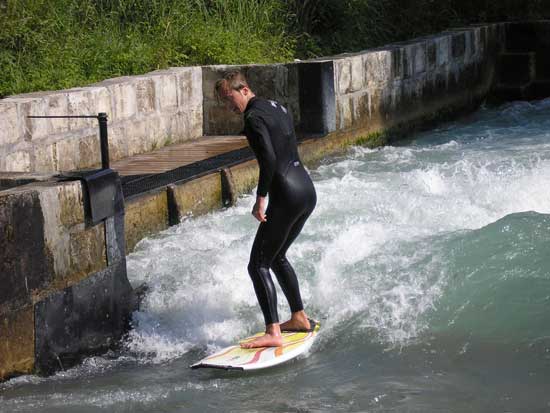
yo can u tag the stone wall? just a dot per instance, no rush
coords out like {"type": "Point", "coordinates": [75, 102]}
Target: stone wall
{"type": "Point", "coordinates": [278, 82]}
{"type": "Point", "coordinates": [145, 112]}
{"type": "Point", "coordinates": [64, 287]}
{"type": "Point", "coordinates": [409, 81]}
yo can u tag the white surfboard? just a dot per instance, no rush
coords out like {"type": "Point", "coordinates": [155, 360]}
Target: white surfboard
{"type": "Point", "coordinates": [237, 358]}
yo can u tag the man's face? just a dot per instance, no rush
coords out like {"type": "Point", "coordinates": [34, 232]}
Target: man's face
{"type": "Point", "coordinates": [236, 100]}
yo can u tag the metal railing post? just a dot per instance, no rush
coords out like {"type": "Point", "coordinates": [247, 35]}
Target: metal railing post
{"type": "Point", "coordinates": [104, 140]}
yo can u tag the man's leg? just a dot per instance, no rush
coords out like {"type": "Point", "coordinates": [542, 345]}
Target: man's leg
{"type": "Point", "coordinates": [289, 281]}
{"type": "Point", "coordinates": [269, 239]}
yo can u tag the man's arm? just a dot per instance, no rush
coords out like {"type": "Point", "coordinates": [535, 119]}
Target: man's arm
{"type": "Point", "coordinates": [260, 142]}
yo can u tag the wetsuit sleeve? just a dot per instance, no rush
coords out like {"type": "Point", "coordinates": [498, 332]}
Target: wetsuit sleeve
{"type": "Point", "coordinates": [259, 140]}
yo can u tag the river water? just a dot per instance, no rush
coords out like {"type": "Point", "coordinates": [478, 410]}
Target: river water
{"type": "Point", "coordinates": [427, 262]}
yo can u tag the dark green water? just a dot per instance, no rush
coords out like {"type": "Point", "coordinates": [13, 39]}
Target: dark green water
{"type": "Point", "coordinates": [428, 264]}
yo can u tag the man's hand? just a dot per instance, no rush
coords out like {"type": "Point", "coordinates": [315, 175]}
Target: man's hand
{"type": "Point", "coordinates": [258, 210]}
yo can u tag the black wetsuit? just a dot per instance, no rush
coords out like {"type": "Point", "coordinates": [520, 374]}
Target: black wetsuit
{"type": "Point", "coordinates": [270, 132]}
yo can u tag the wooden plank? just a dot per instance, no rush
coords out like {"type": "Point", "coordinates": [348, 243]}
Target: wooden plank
{"type": "Point", "coordinates": [174, 156]}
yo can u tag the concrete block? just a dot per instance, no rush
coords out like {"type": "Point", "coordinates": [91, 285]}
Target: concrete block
{"type": "Point", "coordinates": [68, 154]}
{"type": "Point", "coordinates": [166, 89]}
{"type": "Point", "coordinates": [431, 55]}
{"type": "Point", "coordinates": [360, 108]}
{"type": "Point", "coordinates": [344, 112]}
{"type": "Point", "coordinates": [245, 176]}
{"type": "Point", "coordinates": [269, 81]}
{"type": "Point", "coordinates": [396, 62]}
{"type": "Point", "coordinates": [419, 51]}
{"type": "Point", "coordinates": [89, 151]}
{"type": "Point", "coordinates": [76, 250]}
{"type": "Point", "coordinates": [89, 317]}
{"type": "Point", "coordinates": [443, 50]}
{"type": "Point", "coordinates": [16, 342]}
{"type": "Point", "coordinates": [145, 95]}
{"type": "Point", "coordinates": [196, 197]}
{"type": "Point", "coordinates": [102, 101]}
{"type": "Point", "coordinates": [378, 67]}
{"type": "Point", "coordinates": [478, 47]}
{"type": "Point", "coordinates": [219, 121]}
{"type": "Point", "coordinates": [58, 105]}
{"type": "Point", "coordinates": [10, 130]}
{"type": "Point", "coordinates": [190, 88]}
{"type": "Point", "coordinates": [123, 95]}
{"type": "Point", "coordinates": [357, 73]}
{"type": "Point", "coordinates": [458, 46]}
{"type": "Point", "coordinates": [210, 74]}
{"type": "Point", "coordinates": [343, 73]}
{"type": "Point", "coordinates": [71, 203]}
{"type": "Point", "coordinates": [86, 254]}
{"type": "Point", "coordinates": [26, 263]}
{"type": "Point", "coordinates": [33, 129]}
{"type": "Point", "coordinates": [19, 161]}
{"type": "Point", "coordinates": [45, 158]}
{"type": "Point", "coordinates": [2, 158]}
{"type": "Point", "coordinates": [177, 128]}
{"type": "Point", "coordinates": [118, 141]}
{"type": "Point", "coordinates": [145, 216]}
{"type": "Point", "coordinates": [195, 123]}
{"type": "Point", "coordinates": [136, 137]}
{"type": "Point", "coordinates": [408, 61]}
{"type": "Point", "coordinates": [81, 102]}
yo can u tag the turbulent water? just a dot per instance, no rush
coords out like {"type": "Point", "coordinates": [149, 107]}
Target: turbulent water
{"type": "Point", "coordinates": [427, 262]}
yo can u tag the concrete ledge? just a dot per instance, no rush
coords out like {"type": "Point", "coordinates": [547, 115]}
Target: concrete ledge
{"type": "Point", "coordinates": [17, 342]}
{"type": "Point", "coordinates": [145, 215]}
{"type": "Point", "coordinates": [195, 197]}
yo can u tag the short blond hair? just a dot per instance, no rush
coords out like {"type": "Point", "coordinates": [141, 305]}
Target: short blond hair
{"type": "Point", "coordinates": [234, 80]}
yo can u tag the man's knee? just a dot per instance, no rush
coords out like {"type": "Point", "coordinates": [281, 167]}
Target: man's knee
{"type": "Point", "coordinates": [255, 268]}
{"type": "Point", "coordinates": [279, 261]}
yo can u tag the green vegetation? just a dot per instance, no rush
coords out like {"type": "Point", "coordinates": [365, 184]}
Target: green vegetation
{"type": "Point", "coordinates": [334, 26]}
{"type": "Point", "coordinates": [55, 44]}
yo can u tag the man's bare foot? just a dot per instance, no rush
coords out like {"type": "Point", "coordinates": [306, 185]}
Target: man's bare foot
{"type": "Point", "coordinates": [267, 340]}
{"type": "Point", "coordinates": [298, 322]}
{"type": "Point", "coordinates": [271, 338]}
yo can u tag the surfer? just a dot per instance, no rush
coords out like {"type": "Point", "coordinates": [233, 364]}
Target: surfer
{"type": "Point", "coordinates": [270, 133]}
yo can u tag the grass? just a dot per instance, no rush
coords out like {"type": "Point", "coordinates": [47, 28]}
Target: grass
{"type": "Point", "coordinates": [55, 44]}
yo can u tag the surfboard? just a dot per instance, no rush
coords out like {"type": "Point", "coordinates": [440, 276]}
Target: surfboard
{"type": "Point", "coordinates": [236, 358]}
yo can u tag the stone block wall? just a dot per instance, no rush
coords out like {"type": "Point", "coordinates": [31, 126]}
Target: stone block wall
{"type": "Point", "coordinates": [401, 82]}
{"type": "Point", "coordinates": [144, 112]}
{"type": "Point", "coordinates": [277, 81]}
{"type": "Point", "coordinates": [64, 287]}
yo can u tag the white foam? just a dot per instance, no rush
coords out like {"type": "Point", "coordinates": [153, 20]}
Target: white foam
{"type": "Point", "coordinates": [366, 250]}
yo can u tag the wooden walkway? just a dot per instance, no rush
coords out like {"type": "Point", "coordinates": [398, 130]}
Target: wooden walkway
{"type": "Point", "coordinates": [174, 156]}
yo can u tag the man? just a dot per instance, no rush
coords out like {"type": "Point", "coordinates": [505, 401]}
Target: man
{"type": "Point", "coordinates": [270, 133]}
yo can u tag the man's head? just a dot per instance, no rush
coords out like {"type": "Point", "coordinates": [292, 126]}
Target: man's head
{"type": "Point", "coordinates": [234, 91]}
